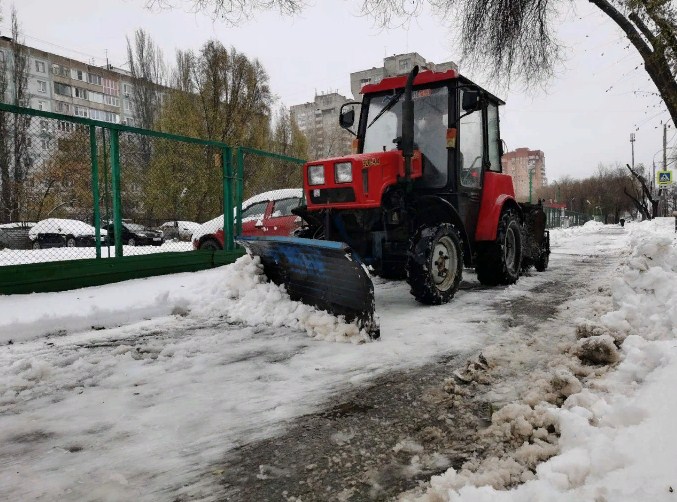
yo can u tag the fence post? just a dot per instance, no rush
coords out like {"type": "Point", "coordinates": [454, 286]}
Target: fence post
{"type": "Point", "coordinates": [228, 242]}
{"type": "Point", "coordinates": [239, 190]}
{"type": "Point", "coordinates": [95, 189]}
{"type": "Point", "coordinates": [117, 199]}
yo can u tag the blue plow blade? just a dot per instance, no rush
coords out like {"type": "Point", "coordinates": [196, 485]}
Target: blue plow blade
{"type": "Point", "coordinates": [325, 274]}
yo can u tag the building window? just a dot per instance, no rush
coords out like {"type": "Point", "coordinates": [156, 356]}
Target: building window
{"type": "Point", "coordinates": [44, 143]}
{"type": "Point", "coordinates": [62, 89]}
{"type": "Point", "coordinates": [111, 100]}
{"type": "Point", "coordinates": [61, 71]}
{"type": "Point", "coordinates": [43, 125]}
{"type": "Point", "coordinates": [126, 89]}
{"type": "Point", "coordinates": [128, 106]}
{"type": "Point", "coordinates": [41, 105]}
{"type": "Point", "coordinates": [404, 64]}
{"type": "Point", "coordinates": [94, 79]}
{"type": "Point", "coordinates": [111, 87]}
{"type": "Point", "coordinates": [364, 81]}
{"type": "Point", "coordinates": [96, 97]}
{"type": "Point", "coordinates": [64, 126]}
{"type": "Point", "coordinates": [78, 92]}
{"type": "Point", "coordinates": [42, 86]}
{"type": "Point", "coordinates": [81, 111]}
{"type": "Point", "coordinates": [62, 107]}
{"type": "Point", "coordinates": [40, 66]}
{"type": "Point", "coordinates": [79, 75]}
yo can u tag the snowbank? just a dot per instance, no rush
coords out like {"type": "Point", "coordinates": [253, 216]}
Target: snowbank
{"type": "Point", "coordinates": [616, 420]}
{"type": "Point", "coordinates": [239, 293]}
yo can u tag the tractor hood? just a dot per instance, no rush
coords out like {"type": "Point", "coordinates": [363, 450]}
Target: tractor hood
{"type": "Point", "coordinates": [355, 181]}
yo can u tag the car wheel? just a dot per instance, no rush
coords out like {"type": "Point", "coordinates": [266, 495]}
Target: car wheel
{"type": "Point", "coordinates": [210, 245]}
{"type": "Point", "coordinates": [36, 245]}
{"type": "Point", "coordinates": [70, 241]}
{"type": "Point", "coordinates": [131, 242]}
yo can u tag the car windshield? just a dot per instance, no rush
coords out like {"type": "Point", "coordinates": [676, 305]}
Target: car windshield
{"type": "Point", "coordinates": [134, 227]}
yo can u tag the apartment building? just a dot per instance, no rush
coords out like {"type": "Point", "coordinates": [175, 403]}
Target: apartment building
{"type": "Point", "coordinates": [525, 166]}
{"type": "Point", "coordinates": [318, 120]}
{"type": "Point", "coordinates": [67, 86]}
{"type": "Point", "coordinates": [397, 64]}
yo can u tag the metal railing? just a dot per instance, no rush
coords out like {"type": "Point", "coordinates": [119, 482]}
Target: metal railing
{"type": "Point", "coordinates": [74, 188]}
{"type": "Point", "coordinates": [559, 218]}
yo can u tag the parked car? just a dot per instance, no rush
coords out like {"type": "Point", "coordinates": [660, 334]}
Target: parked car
{"type": "Point", "coordinates": [15, 235]}
{"type": "Point", "coordinates": [134, 234]}
{"type": "Point", "coordinates": [268, 213]}
{"type": "Point", "coordinates": [57, 232]}
{"type": "Point", "coordinates": [181, 230]}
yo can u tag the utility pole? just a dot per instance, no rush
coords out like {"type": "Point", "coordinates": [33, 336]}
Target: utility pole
{"type": "Point", "coordinates": [531, 183]}
{"type": "Point", "coordinates": [632, 144]}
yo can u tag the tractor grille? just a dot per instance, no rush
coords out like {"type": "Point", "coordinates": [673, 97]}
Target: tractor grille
{"type": "Point", "coordinates": [330, 195]}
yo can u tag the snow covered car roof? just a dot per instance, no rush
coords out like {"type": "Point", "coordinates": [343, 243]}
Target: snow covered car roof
{"type": "Point", "coordinates": [216, 224]}
{"type": "Point", "coordinates": [76, 228]}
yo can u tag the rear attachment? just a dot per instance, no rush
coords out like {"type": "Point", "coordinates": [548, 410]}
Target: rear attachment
{"type": "Point", "coordinates": [324, 274]}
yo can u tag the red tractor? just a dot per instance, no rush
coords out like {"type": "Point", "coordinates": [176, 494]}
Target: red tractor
{"type": "Point", "coordinates": [423, 196]}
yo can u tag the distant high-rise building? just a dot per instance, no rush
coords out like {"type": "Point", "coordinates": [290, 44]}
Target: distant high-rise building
{"type": "Point", "coordinates": [397, 64]}
{"type": "Point", "coordinates": [519, 164]}
{"type": "Point", "coordinates": [318, 120]}
{"type": "Point", "coordinates": [70, 87]}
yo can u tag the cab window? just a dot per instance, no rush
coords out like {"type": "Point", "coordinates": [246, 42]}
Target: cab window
{"type": "Point", "coordinates": [472, 149]}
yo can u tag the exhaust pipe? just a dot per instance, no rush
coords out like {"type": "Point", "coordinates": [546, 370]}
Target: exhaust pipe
{"type": "Point", "coordinates": [408, 123]}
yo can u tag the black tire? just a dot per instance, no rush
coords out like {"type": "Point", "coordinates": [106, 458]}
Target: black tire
{"type": "Point", "coordinates": [542, 261]}
{"type": "Point", "coordinates": [70, 242]}
{"type": "Point", "coordinates": [210, 245]}
{"type": "Point", "coordinates": [131, 242]}
{"type": "Point", "coordinates": [500, 262]}
{"type": "Point", "coordinates": [36, 244]}
{"type": "Point", "coordinates": [434, 281]}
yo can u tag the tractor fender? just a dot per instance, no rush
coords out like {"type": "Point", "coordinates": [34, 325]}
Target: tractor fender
{"type": "Point", "coordinates": [490, 213]}
{"type": "Point", "coordinates": [433, 210]}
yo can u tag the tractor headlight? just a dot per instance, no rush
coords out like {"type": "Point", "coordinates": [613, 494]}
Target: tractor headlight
{"type": "Point", "coordinates": [316, 175]}
{"type": "Point", "coordinates": [343, 172]}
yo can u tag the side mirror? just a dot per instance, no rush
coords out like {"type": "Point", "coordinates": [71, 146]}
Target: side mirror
{"type": "Point", "coordinates": [347, 119]}
{"type": "Point", "coordinates": [471, 100]}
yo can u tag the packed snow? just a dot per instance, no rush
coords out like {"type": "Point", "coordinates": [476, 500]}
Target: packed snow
{"type": "Point", "coordinates": [133, 390]}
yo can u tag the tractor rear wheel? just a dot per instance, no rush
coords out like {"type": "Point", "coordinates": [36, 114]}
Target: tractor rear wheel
{"type": "Point", "coordinates": [499, 262]}
{"type": "Point", "coordinates": [435, 263]}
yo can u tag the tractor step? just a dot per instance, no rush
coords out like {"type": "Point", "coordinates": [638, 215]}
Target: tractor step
{"type": "Point", "coordinates": [325, 274]}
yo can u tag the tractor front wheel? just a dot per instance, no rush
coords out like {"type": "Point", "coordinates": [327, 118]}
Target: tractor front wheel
{"type": "Point", "coordinates": [435, 263]}
{"type": "Point", "coordinates": [500, 262]}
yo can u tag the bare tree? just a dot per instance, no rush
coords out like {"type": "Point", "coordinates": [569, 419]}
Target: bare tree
{"type": "Point", "coordinates": [517, 37]}
{"type": "Point", "coordinates": [15, 159]}
{"type": "Point", "coordinates": [233, 11]}
{"type": "Point", "coordinates": [149, 73]}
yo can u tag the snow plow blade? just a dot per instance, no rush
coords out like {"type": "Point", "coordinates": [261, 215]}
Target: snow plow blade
{"type": "Point", "coordinates": [325, 274]}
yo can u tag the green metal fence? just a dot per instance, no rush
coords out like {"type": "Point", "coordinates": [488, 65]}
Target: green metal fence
{"type": "Point", "coordinates": [558, 218]}
{"type": "Point", "coordinates": [88, 202]}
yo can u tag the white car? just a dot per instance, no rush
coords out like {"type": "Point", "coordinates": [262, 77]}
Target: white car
{"type": "Point", "coordinates": [182, 230]}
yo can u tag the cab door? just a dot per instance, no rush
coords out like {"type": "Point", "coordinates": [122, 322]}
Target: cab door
{"type": "Point", "coordinates": [471, 162]}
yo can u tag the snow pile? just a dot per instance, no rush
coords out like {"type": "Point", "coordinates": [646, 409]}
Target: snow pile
{"type": "Point", "coordinates": [238, 293]}
{"type": "Point", "coordinates": [245, 296]}
{"type": "Point", "coordinates": [599, 426]}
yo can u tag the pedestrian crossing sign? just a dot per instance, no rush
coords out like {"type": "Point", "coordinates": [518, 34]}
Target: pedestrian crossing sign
{"type": "Point", "coordinates": [664, 178]}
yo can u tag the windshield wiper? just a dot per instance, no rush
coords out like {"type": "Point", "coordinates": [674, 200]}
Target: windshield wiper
{"type": "Point", "coordinates": [387, 107]}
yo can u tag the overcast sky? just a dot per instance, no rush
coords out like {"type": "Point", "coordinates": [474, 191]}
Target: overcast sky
{"type": "Point", "coordinates": [584, 117]}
